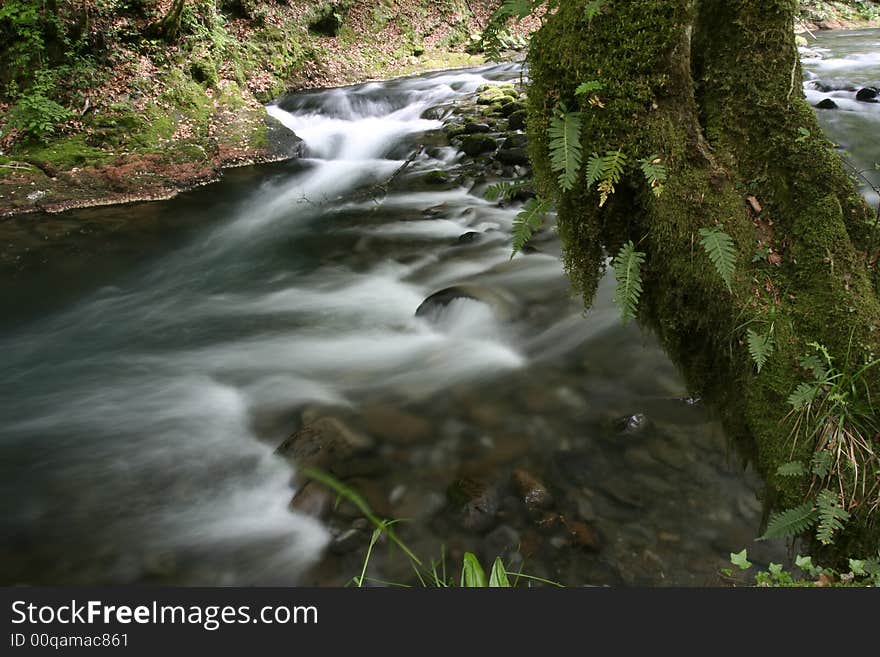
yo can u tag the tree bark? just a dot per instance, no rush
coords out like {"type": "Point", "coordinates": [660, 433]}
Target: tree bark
{"type": "Point", "coordinates": [713, 87]}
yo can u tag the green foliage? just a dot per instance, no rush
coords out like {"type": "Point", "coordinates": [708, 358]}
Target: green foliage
{"type": "Point", "coordinates": [655, 173]}
{"type": "Point", "coordinates": [832, 516]}
{"type": "Point", "coordinates": [565, 147]}
{"type": "Point", "coordinates": [741, 559]}
{"type": "Point", "coordinates": [791, 522]}
{"type": "Point", "coordinates": [605, 172]}
{"type": "Point", "coordinates": [472, 573]}
{"type": "Point", "coordinates": [592, 9]}
{"type": "Point", "coordinates": [791, 469]}
{"type": "Point", "coordinates": [530, 219]}
{"type": "Point", "coordinates": [504, 191]}
{"type": "Point", "coordinates": [35, 113]}
{"type": "Point", "coordinates": [721, 250]}
{"type": "Point", "coordinates": [498, 578]}
{"type": "Point", "coordinates": [588, 87]}
{"type": "Point", "coordinates": [760, 347]}
{"type": "Point", "coordinates": [627, 270]}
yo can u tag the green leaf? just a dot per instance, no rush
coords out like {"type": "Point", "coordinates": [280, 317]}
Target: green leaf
{"type": "Point", "coordinates": [588, 87]}
{"type": "Point", "coordinates": [803, 396]}
{"type": "Point", "coordinates": [791, 469]}
{"type": "Point", "coordinates": [815, 365]}
{"type": "Point", "coordinates": [721, 250]}
{"type": "Point", "coordinates": [530, 219]}
{"type": "Point", "coordinates": [857, 567]}
{"type": "Point", "coordinates": [565, 148]}
{"type": "Point", "coordinates": [775, 569]}
{"type": "Point", "coordinates": [790, 522]}
{"type": "Point", "coordinates": [595, 169]}
{"type": "Point", "coordinates": [627, 270]}
{"type": "Point", "coordinates": [498, 577]}
{"type": "Point", "coordinates": [760, 347]}
{"type": "Point", "coordinates": [741, 560]}
{"type": "Point", "coordinates": [472, 573]}
{"type": "Point", "coordinates": [821, 463]}
{"type": "Point", "coordinates": [655, 173]}
{"type": "Point", "coordinates": [592, 9]}
{"type": "Point", "coordinates": [832, 516]}
{"type": "Point", "coordinates": [504, 191]}
{"type": "Point", "coordinates": [518, 9]}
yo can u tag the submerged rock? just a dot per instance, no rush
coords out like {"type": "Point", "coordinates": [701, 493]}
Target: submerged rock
{"type": "Point", "coordinates": [394, 425]}
{"type": "Point", "coordinates": [827, 103]}
{"type": "Point", "coordinates": [326, 444]}
{"type": "Point", "coordinates": [868, 95]}
{"type": "Point", "coordinates": [476, 501]}
{"type": "Point", "coordinates": [502, 306]}
{"type": "Point", "coordinates": [532, 490]}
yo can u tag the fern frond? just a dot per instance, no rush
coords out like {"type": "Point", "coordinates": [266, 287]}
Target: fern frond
{"type": "Point", "coordinates": [832, 516]}
{"type": "Point", "coordinates": [791, 469]}
{"type": "Point", "coordinates": [815, 365]}
{"type": "Point", "coordinates": [592, 9]}
{"type": "Point", "coordinates": [503, 191]}
{"type": "Point", "coordinates": [791, 522]}
{"type": "Point", "coordinates": [517, 9]}
{"type": "Point", "coordinates": [655, 173]}
{"type": "Point", "coordinates": [721, 250]}
{"type": "Point", "coordinates": [803, 395]}
{"type": "Point", "coordinates": [606, 189]}
{"type": "Point", "coordinates": [595, 169]}
{"type": "Point", "coordinates": [613, 164]}
{"type": "Point", "coordinates": [588, 87]}
{"type": "Point", "coordinates": [760, 347]}
{"type": "Point", "coordinates": [565, 148]}
{"type": "Point", "coordinates": [627, 267]}
{"type": "Point", "coordinates": [821, 463]}
{"type": "Point", "coordinates": [528, 221]}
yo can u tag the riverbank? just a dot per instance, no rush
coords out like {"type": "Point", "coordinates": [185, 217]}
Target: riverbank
{"type": "Point", "coordinates": [144, 120]}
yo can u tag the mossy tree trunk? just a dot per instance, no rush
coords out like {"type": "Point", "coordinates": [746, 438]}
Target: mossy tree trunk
{"type": "Point", "coordinates": [713, 88]}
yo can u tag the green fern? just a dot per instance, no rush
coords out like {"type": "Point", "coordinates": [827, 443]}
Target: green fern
{"type": "Point", "coordinates": [517, 9]}
{"type": "Point", "coordinates": [627, 270]}
{"type": "Point", "coordinates": [760, 347]}
{"type": "Point", "coordinates": [803, 395]}
{"type": "Point", "coordinates": [592, 9]}
{"type": "Point", "coordinates": [565, 148]}
{"type": "Point", "coordinates": [791, 522]}
{"type": "Point", "coordinates": [588, 87]}
{"type": "Point", "coordinates": [821, 463]}
{"type": "Point", "coordinates": [504, 191]}
{"type": "Point", "coordinates": [832, 516]}
{"type": "Point", "coordinates": [605, 172]}
{"type": "Point", "coordinates": [791, 469]}
{"type": "Point", "coordinates": [655, 173]}
{"type": "Point", "coordinates": [528, 221]}
{"type": "Point", "coordinates": [721, 250]}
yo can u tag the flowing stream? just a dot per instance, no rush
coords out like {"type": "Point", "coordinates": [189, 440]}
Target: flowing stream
{"type": "Point", "coordinates": [146, 384]}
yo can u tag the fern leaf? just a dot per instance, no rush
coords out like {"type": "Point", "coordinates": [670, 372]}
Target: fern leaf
{"type": "Point", "coordinates": [588, 87]}
{"type": "Point", "coordinates": [527, 222]}
{"type": "Point", "coordinates": [803, 396]}
{"type": "Point", "coordinates": [820, 465]}
{"type": "Point", "coordinates": [613, 164]}
{"type": "Point", "coordinates": [721, 250]}
{"type": "Point", "coordinates": [760, 347]}
{"type": "Point", "coordinates": [503, 191]}
{"type": "Point", "coordinates": [628, 272]}
{"type": "Point", "coordinates": [791, 522]}
{"type": "Point", "coordinates": [655, 173]}
{"type": "Point", "coordinates": [565, 148]}
{"type": "Point", "coordinates": [791, 469]}
{"type": "Point", "coordinates": [595, 169]}
{"type": "Point", "coordinates": [832, 516]}
{"type": "Point", "coordinates": [606, 189]}
{"type": "Point", "coordinates": [592, 9]}
{"type": "Point", "coordinates": [815, 365]}
{"type": "Point", "coordinates": [517, 9]}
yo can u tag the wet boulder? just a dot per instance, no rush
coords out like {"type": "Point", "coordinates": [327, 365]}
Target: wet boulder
{"type": "Point", "coordinates": [517, 120]}
{"type": "Point", "coordinates": [328, 444]}
{"type": "Point", "coordinates": [502, 306]}
{"type": "Point", "coordinates": [477, 144]}
{"type": "Point", "coordinates": [531, 489]}
{"type": "Point", "coordinates": [477, 128]}
{"type": "Point", "coordinates": [826, 104]}
{"type": "Point", "coordinates": [868, 95]}
{"type": "Point", "coordinates": [513, 157]}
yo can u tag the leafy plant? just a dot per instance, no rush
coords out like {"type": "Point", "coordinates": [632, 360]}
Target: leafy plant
{"type": "Point", "coordinates": [593, 9]}
{"type": "Point", "coordinates": [530, 219]}
{"type": "Point", "coordinates": [862, 572]}
{"type": "Point", "coordinates": [504, 191]}
{"type": "Point", "coordinates": [832, 516]}
{"type": "Point", "coordinates": [791, 522]}
{"type": "Point", "coordinates": [565, 147]}
{"type": "Point", "coordinates": [627, 270]}
{"type": "Point", "coordinates": [655, 173]}
{"type": "Point", "coordinates": [588, 87]}
{"type": "Point", "coordinates": [760, 346]}
{"type": "Point", "coordinates": [605, 172]}
{"type": "Point", "coordinates": [721, 250]}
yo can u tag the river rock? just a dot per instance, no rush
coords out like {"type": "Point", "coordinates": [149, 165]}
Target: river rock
{"type": "Point", "coordinates": [826, 104]}
{"type": "Point", "coordinates": [477, 144]}
{"type": "Point", "coordinates": [476, 500]}
{"type": "Point", "coordinates": [312, 499]}
{"type": "Point", "coordinates": [868, 95]}
{"type": "Point", "coordinates": [517, 120]}
{"type": "Point", "coordinates": [503, 306]}
{"type": "Point", "coordinates": [348, 540]}
{"type": "Point", "coordinates": [513, 157]}
{"type": "Point", "coordinates": [395, 425]}
{"type": "Point", "coordinates": [469, 237]}
{"type": "Point", "coordinates": [477, 128]}
{"type": "Point", "coordinates": [583, 536]}
{"type": "Point", "coordinates": [326, 444]}
{"type": "Point", "coordinates": [631, 425]}
{"type": "Point", "coordinates": [509, 108]}
{"type": "Point", "coordinates": [531, 489]}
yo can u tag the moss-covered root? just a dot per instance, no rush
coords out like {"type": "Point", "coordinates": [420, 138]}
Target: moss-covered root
{"type": "Point", "coordinates": [712, 88]}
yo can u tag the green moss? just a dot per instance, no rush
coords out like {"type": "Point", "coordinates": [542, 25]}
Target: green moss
{"type": "Point", "coordinates": [67, 153]}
